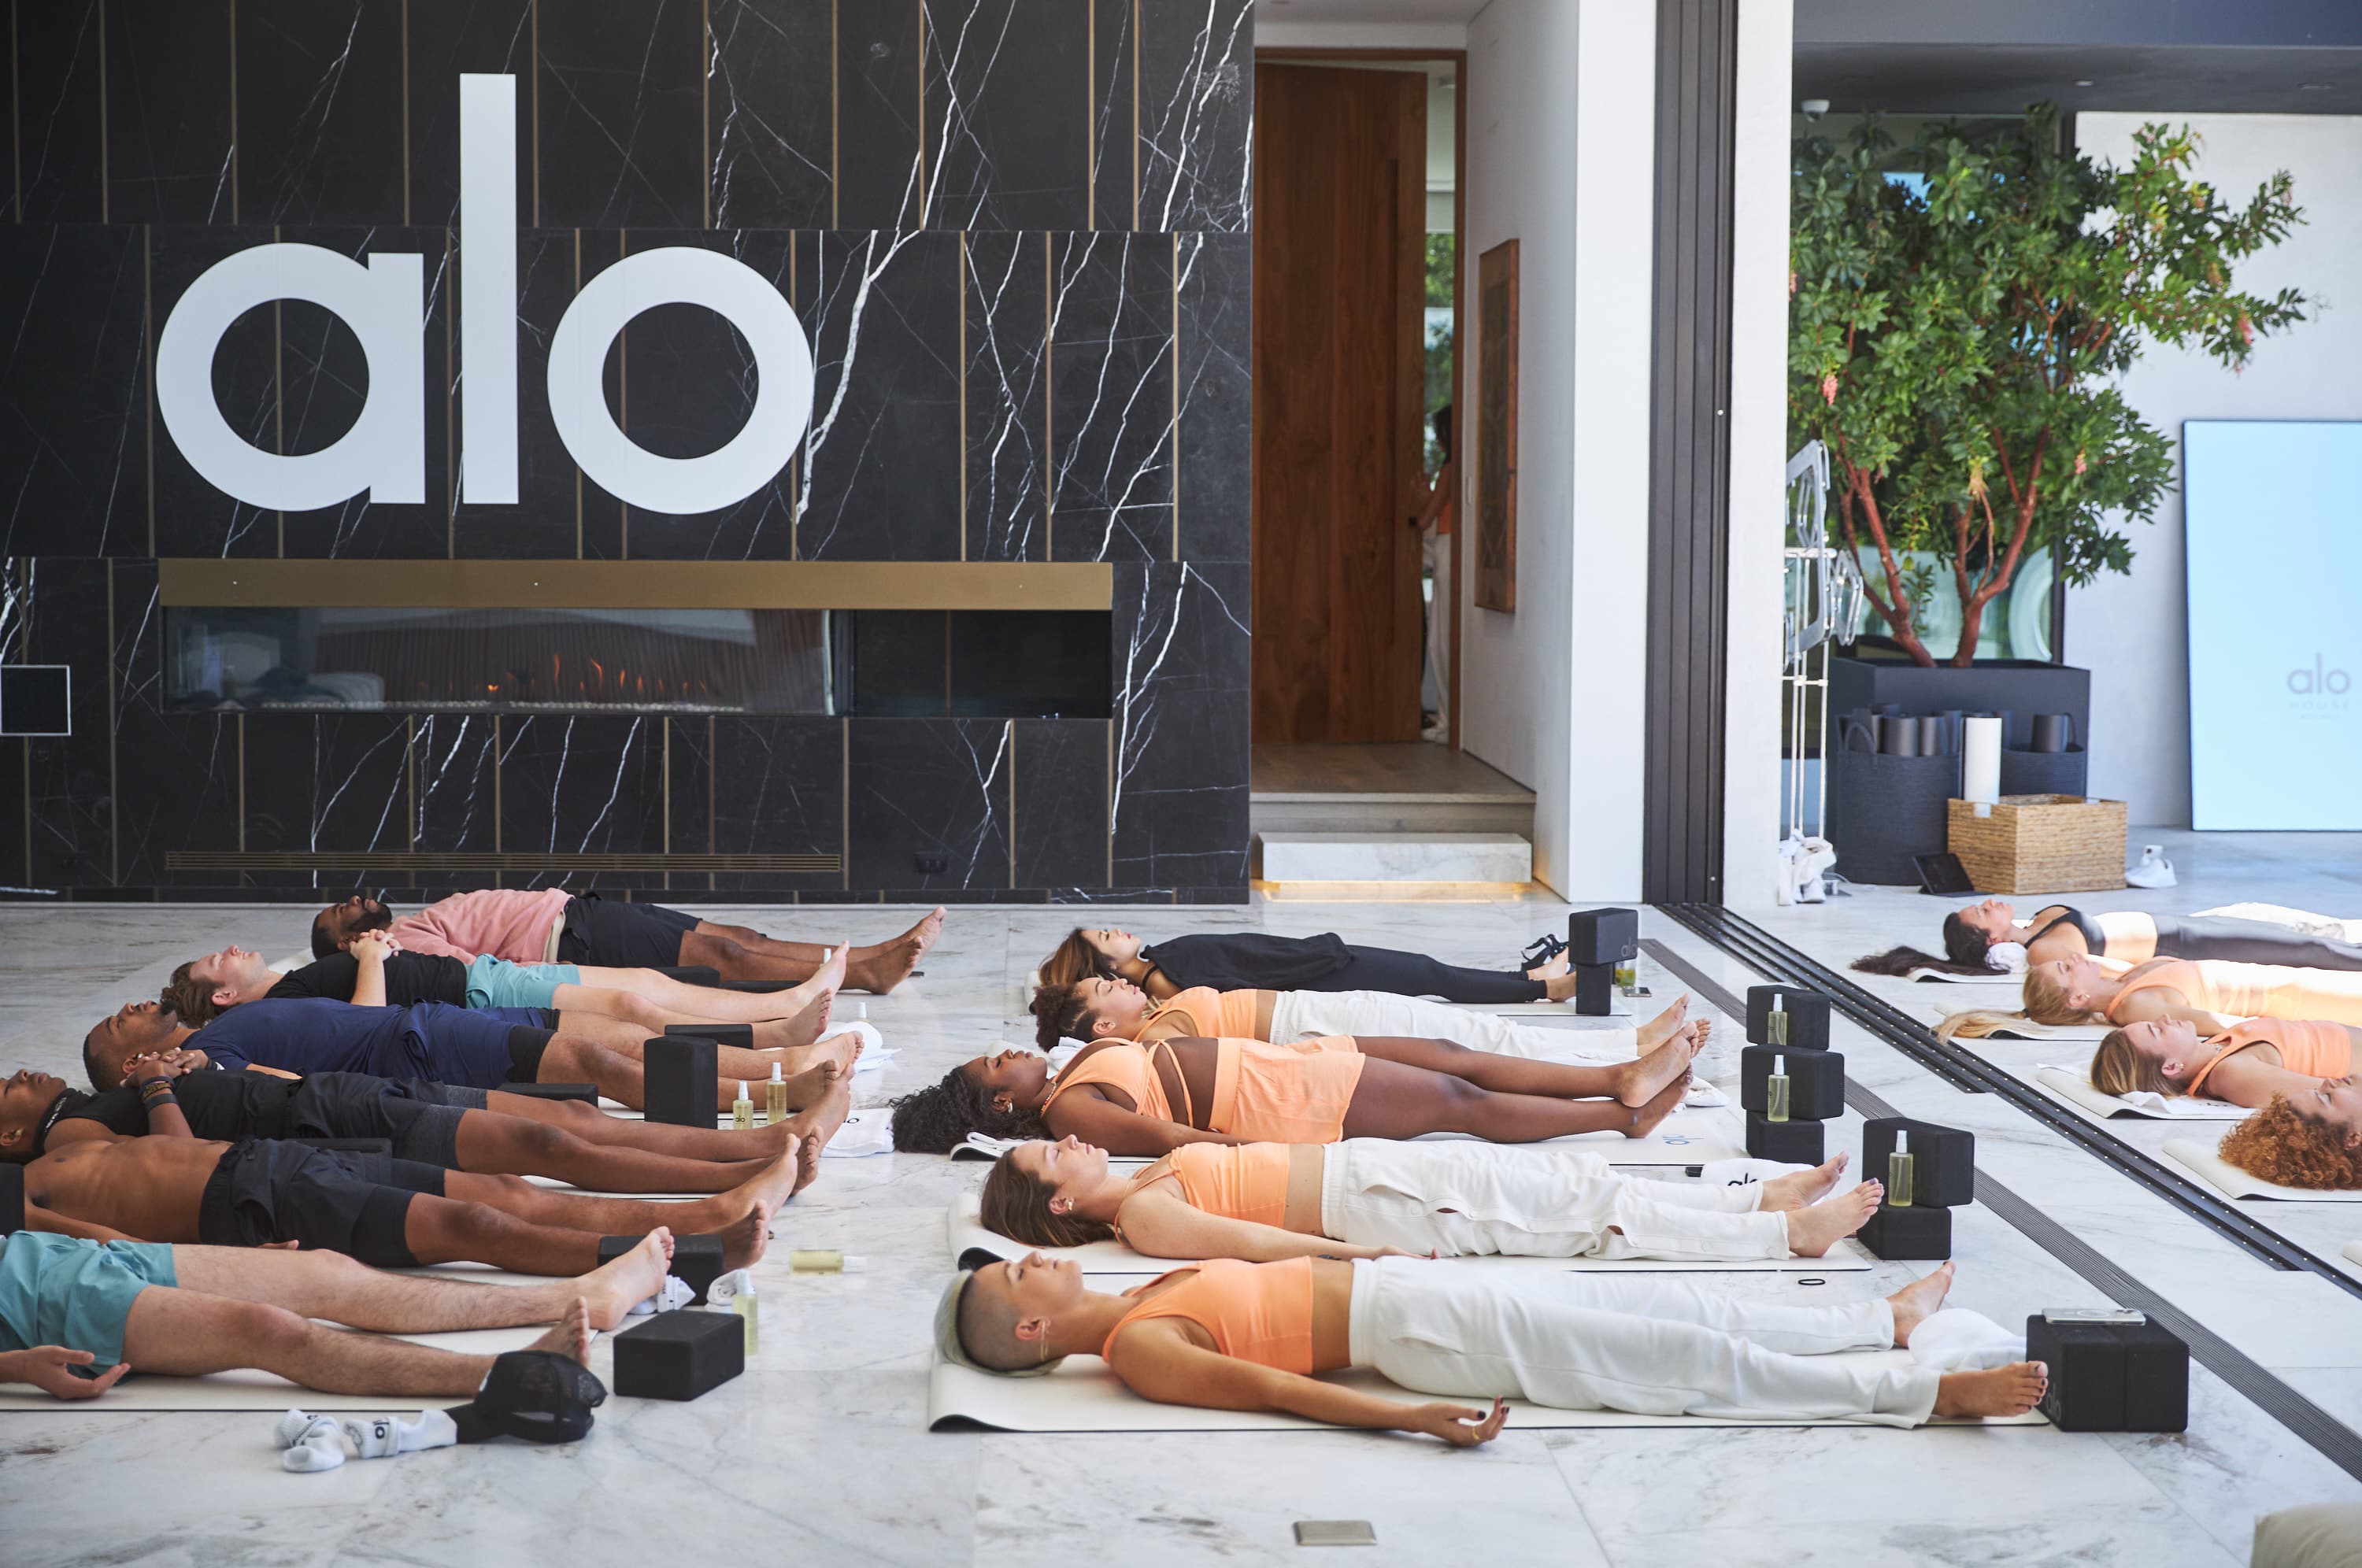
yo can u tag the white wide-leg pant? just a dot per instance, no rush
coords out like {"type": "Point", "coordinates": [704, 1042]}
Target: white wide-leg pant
{"type": "Point", "coordinates": [1468, 1200]}
{"type": "Point", "coordinates": [1300, 1015]}
{"type": "Point", "coordinates": [1591, 1341]}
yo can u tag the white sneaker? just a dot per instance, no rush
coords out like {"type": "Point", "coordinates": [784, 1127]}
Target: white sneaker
{"type": "Point", "coordinates": [2153, 870]}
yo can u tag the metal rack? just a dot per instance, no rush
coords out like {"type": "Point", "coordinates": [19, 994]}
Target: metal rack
{"type": "Point", "coordinates": [1824, 600]}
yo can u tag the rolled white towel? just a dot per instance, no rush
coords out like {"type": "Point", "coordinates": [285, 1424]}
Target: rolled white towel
{"type": "Point", "coordinates": [1957, 1339]}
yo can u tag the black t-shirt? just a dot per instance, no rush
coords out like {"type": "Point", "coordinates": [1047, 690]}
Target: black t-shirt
{"type": "Point", "coordinates": [1249, 960]}
{"type": "Point", "coordinates": [221, 1105]}
{"type": "Point", "coordinates": [409, 978]}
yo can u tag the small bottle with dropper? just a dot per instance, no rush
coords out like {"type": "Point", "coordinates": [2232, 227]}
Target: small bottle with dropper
{"type": "Point", "coordinates": [1776, 1091]}
{"type": "Point", "coordinates": [1775, 1023]}
{"type": "Point", "coordinates": [1900, 1174]}
{"type": "Point", "coordinates": [774, 1098]}
{"type": "Point", "coordinates": [741, 1110]}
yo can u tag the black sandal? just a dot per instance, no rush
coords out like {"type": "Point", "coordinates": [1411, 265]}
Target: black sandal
{"type": "Point", "coordinates": [1542, 949]}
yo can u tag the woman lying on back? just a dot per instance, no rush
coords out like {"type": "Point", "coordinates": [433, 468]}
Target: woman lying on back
{"type": "Point", "coordinates": [2246, 1064]}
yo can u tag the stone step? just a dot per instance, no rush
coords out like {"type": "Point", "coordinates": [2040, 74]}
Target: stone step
{"type": "Point", "coordinates": [1363, 857]}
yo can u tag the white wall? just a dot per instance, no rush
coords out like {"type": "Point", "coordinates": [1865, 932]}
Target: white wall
{"type": "Point", "coordinates": [1271, 34]}
{"type": "Point", "coordinates": [1759, 441]}
{"type": "Point", "coordinates": [2131, 631]}
{"type": "Point", "coordinates": [1561, 103]}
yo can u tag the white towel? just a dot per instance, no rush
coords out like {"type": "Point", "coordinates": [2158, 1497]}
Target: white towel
{"type": "Point", "coordinates": [2073, 1084]}
{"type": "Point", "coordinates": [1957, 1339]}
{"type": "Point", "coordinates": [869, 1131]}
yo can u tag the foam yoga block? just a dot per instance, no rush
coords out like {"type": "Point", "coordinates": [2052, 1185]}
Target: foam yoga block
{"type": "Point", "coordinates": [696, 1260]}
{"type": "Point", "coordinates": [587, 1093]}
{"type": "Point", "coordinates": [1603, 936]}
{"type": "Point", "coordinates": [2112, 1377]}
{"type": "Point", "coordinates": [1594, 990]}
{"type": "Point", "coordinates": [682, 1081]}
{"type": "Point", "coordinates": [1791, 1143]}
{"type": "Point", "coordinates": [1807, 1010]}
{"type": "Point", "coordinates": [741, 1035]}
{"type": "Point", "coordinates": [1944, 1159]}
{"type": "Point", "coordinates": [680, 1355]}
{"type": "Point", "coordinates": [1816, 1081]}
{"type": "Point", "coordinates": [1907, 1234]}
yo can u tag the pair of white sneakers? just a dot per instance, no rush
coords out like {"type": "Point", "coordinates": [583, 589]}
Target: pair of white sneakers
{"type": "Point", "coordinates": [313, 1442]}
{"type": "Point", "coordinates": [2153, 870]}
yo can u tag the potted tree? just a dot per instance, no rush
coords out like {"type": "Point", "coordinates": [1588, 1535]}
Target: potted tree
{"type": "Point", "coordinates": [1956, 340]}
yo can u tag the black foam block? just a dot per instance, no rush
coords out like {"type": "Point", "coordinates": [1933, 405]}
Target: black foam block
{"type": "Point", "coordinates": [741, 1035]}
{"type": "Point", "coordinates": [1816, 1081]}
{"type": "Point", "coordinates": [680, 1355]}
{"type": "Point", "coordinates": [11, 1198]}
{"type": "Point", "coordinates": [1594, 990]}
{"type": "Point", "coordinates": [691, 974]}
{"type": "Point", "coordinates": [681, 1083]}
{"type": "Point", "coordinates": [1905, 1234]}
{"type": "Point", "coordinates": [1807, 1010]}
{"type": "Point", "coordinates": [2112, 1377]}
{"type": "Point", "coordinates": [349, 1145]}
{"type": "Point", "coordinates": [696, 1260]}
{"type": "Point", "coordinates": [1943, 1160]}
{"type": "Point", "coordinates": [1603, 936]}
{"type": "Point", "coordinates": [587, 1093]}
{"type": "Point", "coordinates": [1791, 1143]}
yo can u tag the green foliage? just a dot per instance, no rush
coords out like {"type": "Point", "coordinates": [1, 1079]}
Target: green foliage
{"type": "Point", "coordinates": [1958, 351]}
{"type": "Point", "coordinates": [1443, 264]}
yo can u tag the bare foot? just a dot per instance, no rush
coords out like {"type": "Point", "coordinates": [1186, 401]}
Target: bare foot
{"type": "Point", "coordinates": [1638, 1084]}
{"type": "Point", "coordinates": [743, 1242]}
{"type": "Point", "coordinates": [1560, 967]}
{"type": "Point", "coordinates": [807, 1164]}
{"type": "Point", "coordinates": [1660, 1029]}
{"type": "Point", "coordinates": [820, 1120]}
{"type": "Point", "coordinates": [1645, 1118]}
{"type": "Point", "coordinates": [1914, 1301]}
{"type": "Point", "coordinates": [1794, 1191]}
{"type": "Point", "coordinates": [2010, 1390]}
{"type": "Point", "coordinates": [613, 1290]}
{"type": "Point", "coordinates": [572, 1336]}
{"type": "Point", "coordinates": [1813, 1231]}
{"type": "Point", "coordinates": [928, 930]}
{"type": "Point", "coordinates": [800, 1030]}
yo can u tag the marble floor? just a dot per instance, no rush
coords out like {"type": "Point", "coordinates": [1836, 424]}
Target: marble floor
{"type": "Point", "coordinates": [820, 1452]}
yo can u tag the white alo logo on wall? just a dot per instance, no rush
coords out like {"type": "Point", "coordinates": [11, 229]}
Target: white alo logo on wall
{"type": "Point", "coordinates": [385, 451]}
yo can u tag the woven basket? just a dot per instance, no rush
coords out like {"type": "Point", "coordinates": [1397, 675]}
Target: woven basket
{"type": "Point", "coordinates": [2039, 843]}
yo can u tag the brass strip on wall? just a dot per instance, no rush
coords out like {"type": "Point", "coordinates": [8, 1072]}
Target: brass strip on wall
{"type": "Point", "coordinates": [465, 860]}
{"type": "Point", "coordinates": [637, 585]}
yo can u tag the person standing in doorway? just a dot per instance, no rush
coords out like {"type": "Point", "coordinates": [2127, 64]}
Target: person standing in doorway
{"type": "Point", "coordinates": [1435, 523]}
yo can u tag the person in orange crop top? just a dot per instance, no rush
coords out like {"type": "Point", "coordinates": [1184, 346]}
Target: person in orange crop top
{"type": "Point", "coordinates": [2311, 1138]}
{"type": "Point", "coordinates": [1369, 1198]}
{"type": "Point", "coordinates": [2244, 1065]}
{"type": "Point", "coordinates": [1149, 1100]}
{"type": "Point", "coordinates": [1239, 1336]}
{"type": "Point", "coordinates": [2208, 992]}
{"type": "Point", "coordinates": [1099, 1007]}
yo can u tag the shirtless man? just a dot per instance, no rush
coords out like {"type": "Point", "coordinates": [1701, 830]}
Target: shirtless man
{"type": "Point", "coordinates": [375, 971]}
{"type": "Point", "coordinates": [77, 1313]}
{"type": "Point", "coordinates": [470, 1048]}
{"type": "Point", "coordinates": [551, 925]}
{"type": "Point", "coordinates": [435, 1124]}
{"type": "Point", "coordinates": [386, 1213]}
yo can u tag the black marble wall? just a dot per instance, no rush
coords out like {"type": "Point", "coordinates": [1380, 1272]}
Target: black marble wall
{"type": "Point", "coordinates": [1016, 232]}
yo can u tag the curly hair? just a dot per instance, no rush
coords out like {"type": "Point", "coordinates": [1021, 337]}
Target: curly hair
{"type": "Point", "coordinates": [190, 996]}
{"type": "Point", "coordinates": [938, 1119]}
{"type": "Point", "coordinates": [1073, 959]}
{"type": "Point", "coordinates": [2045, 1002]}
{"type": "Point", "coordinates": [1967, 945]}
{"type": "Point", "coordinates": [2282, 1147]}
{"type": "Point", "coordinates": [2117, 1068]}
{"type": "Point", "coordinates": [1018, 1205]}
{"type": "Point", "coordinates": [1060, 1013]}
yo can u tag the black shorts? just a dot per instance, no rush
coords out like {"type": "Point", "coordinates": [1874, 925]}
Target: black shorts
{"type": "Point", "coordinates": [527, 1046]}
{"type": "Point", "coordinates": [622, 936]}
{"type": "Point", "coordinates": [421, 1118]}
{"type": "Point", "coordinates": [268, 1191]}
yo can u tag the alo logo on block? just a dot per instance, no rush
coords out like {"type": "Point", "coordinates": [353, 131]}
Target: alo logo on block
{"type": "Point", "coordinates": [385, 451]}
{"type": "Point", "coordinates": [2320, 680]}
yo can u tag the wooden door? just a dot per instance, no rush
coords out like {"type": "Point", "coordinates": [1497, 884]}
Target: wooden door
{"type": "Point", "coordinates": [1340, 263]}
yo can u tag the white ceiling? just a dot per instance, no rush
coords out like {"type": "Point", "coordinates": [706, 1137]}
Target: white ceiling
{"type": "Point", "coordinates": [1454, 12]}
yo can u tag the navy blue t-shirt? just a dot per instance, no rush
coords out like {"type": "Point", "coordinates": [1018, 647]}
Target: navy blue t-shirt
{"type": "Point", "coordinates": [309, 1034]}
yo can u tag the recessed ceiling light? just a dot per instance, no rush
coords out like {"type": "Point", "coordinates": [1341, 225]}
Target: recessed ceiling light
{"type": "Point", "coordinates": [2082, 81]}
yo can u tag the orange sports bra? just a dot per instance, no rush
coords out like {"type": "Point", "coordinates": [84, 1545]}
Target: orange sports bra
{"type": "Point", "coordinates": [1237, 1181]}
{"type": "Point", "coordinates": [1257, 1312]}
{"type": "Point", "coordinates": [1208, 1012]}
{"type": "Point", "coordinates": [2315, 1048]}
{"type": "Point", "coordinates": [1129, 1070]}
{"type": "Point", "coordinates": [2180, 974]}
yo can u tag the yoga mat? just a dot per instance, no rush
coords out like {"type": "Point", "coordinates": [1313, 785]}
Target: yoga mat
{"type": "Point", "coordinates": [2353, 1252]}
{"type": "Point", "coordinates": [966, 1229]}
{"type": "Point", "coordinates": [2069, 1084]}
{"type": "Point", "coordinates": [2200, 1160]}
{"type": "Point", "coordinates": [1083, 1396]}
{"type": "Point", "coordinates": [260, 1391]}
{"type": "Point", "coordinates": [1687, 1137]}
{"type": "Point", "coordinates": [2026, 1029]}
{"type": "Point", "coordinates": [1981, 760]}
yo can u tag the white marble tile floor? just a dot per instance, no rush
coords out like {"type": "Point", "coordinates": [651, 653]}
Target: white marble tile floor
{"type": "Point", "coordinates": [821, 1454]}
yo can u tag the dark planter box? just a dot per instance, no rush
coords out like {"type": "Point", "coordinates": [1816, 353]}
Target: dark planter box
{"type": "Point", "coordinates": [1881, 810]}
{"type": "Point", "coordinates": [2019, 687]}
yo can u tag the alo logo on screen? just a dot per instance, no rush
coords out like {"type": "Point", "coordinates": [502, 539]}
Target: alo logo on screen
{"type": "Point", "coordinates": [385, 451]}
{"type": "Point", "coordinates": [2320, 680]}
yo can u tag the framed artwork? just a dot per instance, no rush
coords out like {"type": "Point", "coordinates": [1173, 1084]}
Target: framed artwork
{"type": "Point", "coordinates": [1496, 427]}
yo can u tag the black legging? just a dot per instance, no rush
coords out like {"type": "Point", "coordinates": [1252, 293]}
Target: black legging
{"type": "Point", "coordinates": [1417, 975]}
{"type": "Point", "coordinates": [2251, 942]}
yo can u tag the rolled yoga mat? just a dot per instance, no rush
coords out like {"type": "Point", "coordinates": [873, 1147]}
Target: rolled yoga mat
{"type": "Point", "coordinates": [966, 1229]}
{"type": "Point", "coordinates": [1083, 1396]}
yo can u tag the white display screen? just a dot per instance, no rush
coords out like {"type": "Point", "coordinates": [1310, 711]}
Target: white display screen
{"type": "Point", "coordinates": [2273, 516]}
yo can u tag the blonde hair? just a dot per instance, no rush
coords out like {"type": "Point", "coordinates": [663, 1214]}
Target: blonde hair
{"type": "Point", "coordinates": [2045, 1002]}
{"type": "Point", "coordinates": [2117, 1068]}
